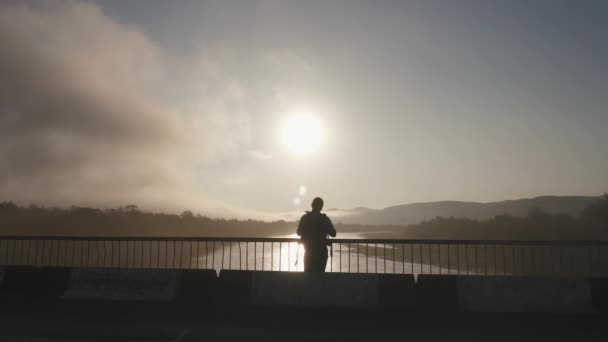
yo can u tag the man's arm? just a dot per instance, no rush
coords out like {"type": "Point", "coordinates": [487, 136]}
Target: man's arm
{"type": "Point", "coordinates": [330, 227]}
{"type": "Point", "coordinates": [301, 225]}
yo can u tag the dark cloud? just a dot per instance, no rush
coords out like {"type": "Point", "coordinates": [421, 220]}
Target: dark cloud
{"type": "Point", "coordinates": [88, 112]}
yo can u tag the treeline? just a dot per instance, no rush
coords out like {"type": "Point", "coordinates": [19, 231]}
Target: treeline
{"type": "Point", "coordinates": [126, 221]}
{"type": "Point", "coordinates": [591, 224]}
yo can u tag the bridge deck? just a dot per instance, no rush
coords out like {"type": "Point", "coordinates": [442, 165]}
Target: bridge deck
{"type": "Point", "coordinates": [104, 321]}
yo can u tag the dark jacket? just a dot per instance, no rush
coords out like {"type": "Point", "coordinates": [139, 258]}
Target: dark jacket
{"type": "Point", "coordinates": [314, 227]}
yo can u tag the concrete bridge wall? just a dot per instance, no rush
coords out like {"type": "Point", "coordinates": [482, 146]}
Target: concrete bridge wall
{"type": "Point", "coordinates": [299, 290]}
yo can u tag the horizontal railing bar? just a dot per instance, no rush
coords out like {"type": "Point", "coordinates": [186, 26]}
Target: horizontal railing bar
{"type": "Point", "coordinates": [146, 238]}
{"type": "Point", "coordinates": [294, 240]}
{"type": "Point", "coordinates": [475, 242]}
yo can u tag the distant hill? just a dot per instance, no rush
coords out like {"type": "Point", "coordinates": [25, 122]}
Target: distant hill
{"type": "Point", "coordinates": [417, 212]}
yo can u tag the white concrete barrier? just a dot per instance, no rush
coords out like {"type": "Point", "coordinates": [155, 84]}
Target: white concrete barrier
{"type": "Point", "coordinates": [122, 284]}
{"type": "Point", "coordinates": [314, 290]}
{"type": "Point", "coordinates": [524, 294]}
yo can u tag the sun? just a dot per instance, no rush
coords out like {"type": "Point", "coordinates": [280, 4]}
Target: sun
{"type": "Point", "coordinates": [302, 133]}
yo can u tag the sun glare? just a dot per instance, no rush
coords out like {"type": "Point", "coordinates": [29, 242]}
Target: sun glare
{"type": "Point", "coordinates": [302, 133]}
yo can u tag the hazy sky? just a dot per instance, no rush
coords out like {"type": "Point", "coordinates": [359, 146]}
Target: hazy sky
{"type": "Point", "coordinates": [179, 104]}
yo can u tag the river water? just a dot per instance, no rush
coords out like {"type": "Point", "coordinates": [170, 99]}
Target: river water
{"type": "Point", "coordinates": [353, 257]}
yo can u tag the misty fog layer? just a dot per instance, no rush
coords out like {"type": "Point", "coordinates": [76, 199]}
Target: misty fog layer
{"type": "Point", "coordinates": [90, 113]}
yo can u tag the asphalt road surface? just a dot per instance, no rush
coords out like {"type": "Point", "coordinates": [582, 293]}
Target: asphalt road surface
{"type": "Point", "coordinates": [121, 322]}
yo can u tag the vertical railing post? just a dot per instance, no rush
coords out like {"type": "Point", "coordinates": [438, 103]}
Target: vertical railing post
{"type": "Point", "coordinates": [393, 246]}
{"type": "Point", "coordinates": [449, 264]}
{"type": "Point", "coordinates": [523, 260]}
{"type": "Point", "coordinates": [466, 259]}
{"type": "Point", "coordinates": [340, 256]}
{"type": "Point", "coordinates": [376, 257]}
{"type": "Point", "coordinates": [403, 257]}
{"type": "Point", "coordinates": [430, 259]}
{"type": "Point", "coordinates": [495, 260]}
{"type": "Point", "coordinates": [366, 258]}
{"type": "Point", "coordinates": [197, 253]}
{"type": "Point", "coordinates": [457, 259]}
{"type": "Point", "coordinates": [213, 254]}
{"type": "Point", "coordinates": [533, 261]}
{"type": "Point", "coordinates": [439, 257]}
{"type": "Point", "coordinates": [504, 260]}
{"type": "Point", "coordinates": [348, 250]}
{"type": "Point", "coordinates": [513, 261]}
{"type": "Point", "coordinates": [476, 261]}
{"type": "Point", "coordinates": [485, 260]}
{"type": "Point", "coordinates": [421, 259]}
{"type": "Point", "coordinates": [412, 257]}
{"type": "Point", "coordinates": [358, 245]}
{"type": "Point", "coordinates": [223, 255]}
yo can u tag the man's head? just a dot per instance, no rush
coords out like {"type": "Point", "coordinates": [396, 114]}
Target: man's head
{"type": "Point", "coordinates": [317, 204]}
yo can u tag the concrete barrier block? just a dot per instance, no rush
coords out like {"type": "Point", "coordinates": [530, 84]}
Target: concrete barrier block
{"type": "Point", "coordinates": [314, 290]}
{"type": "Point", "coordinates": [524, 294]}
{"type": "Point", "coordinates": [122, 284]}
{"type": "Point", "coordinates": [36, 282]}
{"type": "Point", "coordinates": [197, 286]}
{"type": "Point", "coordinates": [599, 293]}
{"type": "Point", "coordinates": [437, 293]}
{"type": "Point", "coordinates": [396, 291]}
{"type": "Point", "coordinates": [235, 287]}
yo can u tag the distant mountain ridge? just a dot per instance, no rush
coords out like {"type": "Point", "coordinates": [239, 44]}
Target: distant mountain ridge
{"type": "Point", "coordinates": [417, 212]}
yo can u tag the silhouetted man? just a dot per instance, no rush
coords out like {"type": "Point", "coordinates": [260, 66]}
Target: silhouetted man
{"type": "Point", "coordinates": [314, 228]}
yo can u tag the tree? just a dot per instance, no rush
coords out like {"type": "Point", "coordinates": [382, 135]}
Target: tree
{"type": "Point", "coordinates": [597, 213]}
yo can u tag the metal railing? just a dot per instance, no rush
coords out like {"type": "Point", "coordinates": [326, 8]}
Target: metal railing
{"type": "Point", "coordinates": [457, 257]}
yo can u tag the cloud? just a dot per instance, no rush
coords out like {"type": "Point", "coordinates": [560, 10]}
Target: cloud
{"type": "Point", "coordinates": [236, 181]}
{"type": "Point", "coordinates": [94, 112]}
{"type": "Point", "coordinates": [259, 155]}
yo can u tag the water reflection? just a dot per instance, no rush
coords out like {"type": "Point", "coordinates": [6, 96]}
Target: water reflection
{"type": "Point", "coordinates": [289, 256]}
